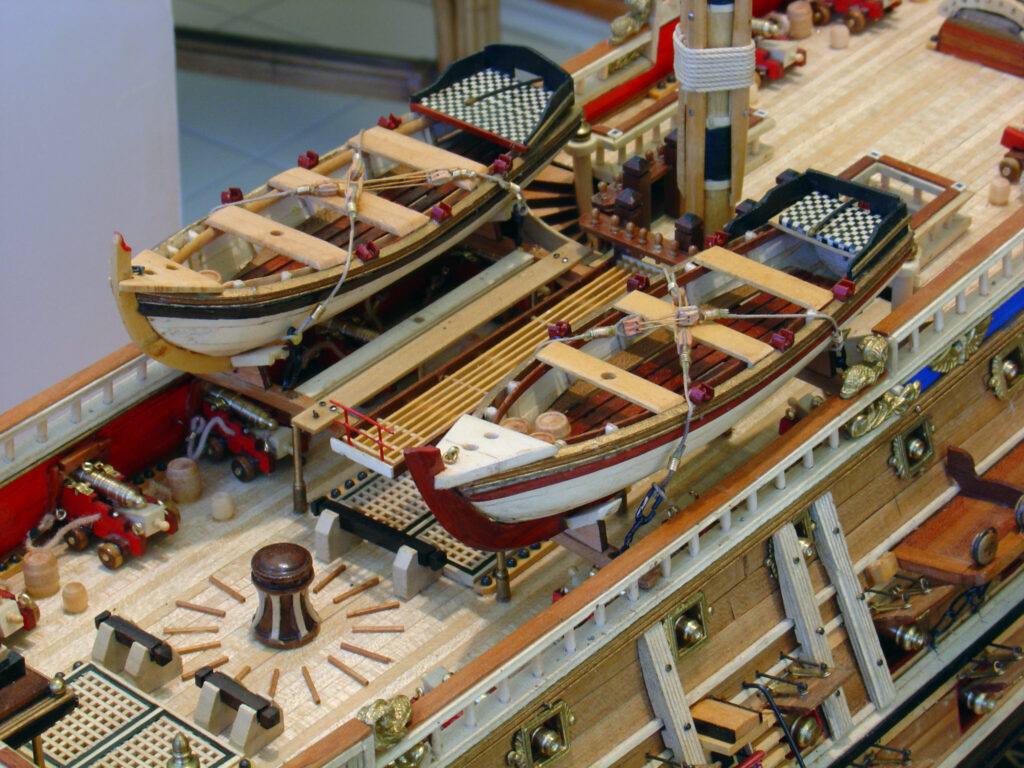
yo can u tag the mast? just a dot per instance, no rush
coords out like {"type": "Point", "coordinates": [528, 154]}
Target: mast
{"type": "Point", "coordinates": [714, 61]}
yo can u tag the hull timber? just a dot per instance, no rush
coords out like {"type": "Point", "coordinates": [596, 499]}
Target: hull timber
{"type": "Point", "coordinates": [510, 661]}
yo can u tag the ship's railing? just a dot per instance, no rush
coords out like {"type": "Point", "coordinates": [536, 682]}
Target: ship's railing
{"type": "Point", "coordinates": [493, 687]}
{"type": "Point", "coordinates": [57, 417]}
{"type": "Point", "coordinates": [978, 282]}
{"type": "Point", "coordinates": [645, 136]}
{"type": "Point", "coordinates": [604, 66]}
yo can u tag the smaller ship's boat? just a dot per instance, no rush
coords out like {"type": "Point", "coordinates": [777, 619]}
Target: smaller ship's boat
{"type": "Point", "coordinates": [236, 287]}
{"type": "Point", "coordinates": [665, 370]}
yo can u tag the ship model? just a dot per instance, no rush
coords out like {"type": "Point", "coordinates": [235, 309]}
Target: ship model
{"type": "Point", "coordinates": [829, 574]}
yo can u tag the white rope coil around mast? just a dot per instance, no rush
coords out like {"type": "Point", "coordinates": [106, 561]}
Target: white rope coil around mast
{"type": "Point", "coordinates": [712, 69]}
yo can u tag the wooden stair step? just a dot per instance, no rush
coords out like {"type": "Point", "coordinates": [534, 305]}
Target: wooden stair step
{"type": "Point", "coordinates": [775, 757]}
{"type": "Point", "coordinates": [370, 208]}
{"type": "Point", "coordinates": [268, 233]}
{"type": "Point", "coordinates": [417, 154]}
{"type": "Point", "coordinates": [800, 292]}
{"type": "Point", "coordinates": [609, 377]}
{"type": "Point", "coordinates": [714, 335]}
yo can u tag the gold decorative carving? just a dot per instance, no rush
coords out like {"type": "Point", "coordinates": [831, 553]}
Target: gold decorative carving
{"type": "Point", "coordinates": [894, 402]}
{"type": "Point", "coordinates": [961, 349]}
{"type": "Point", "coordinates": [631, 22]}
{"type": "Point", "coordinates": [874, 351]}
{"type": "Point", "coordinates": [413, 758]}
{"type": "Point", "coordinates": [388, 719]}
{"type": "Point", "coordinates": [1005, 369]}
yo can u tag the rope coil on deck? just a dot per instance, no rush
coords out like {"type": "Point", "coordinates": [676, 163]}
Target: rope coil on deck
{"type": "Point", "coordinates": [712, 69]}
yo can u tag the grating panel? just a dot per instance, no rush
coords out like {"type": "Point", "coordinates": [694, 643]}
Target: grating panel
{"type": "Point", "coordinates": [104, 707]}
{"type": "Point", "coordinates": [459, 555]}
{"type": "Point", "coordinates": [116, 726]}
{"type": "Point", "coordinates": [150, 746]}
{"type": "Point", "coordinates": [395, 503]}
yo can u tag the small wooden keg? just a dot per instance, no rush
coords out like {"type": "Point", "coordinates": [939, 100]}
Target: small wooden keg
{"type": "Point", "coordinates": [801, 19]}
{"type": "Point", "coordinates": [42, 576]}
{"type": "Point", "coordinates": [553, 422]}
{"type": "Point", "coordinates": [285, 617]}
{"type": "Point", "coordinates": [183, 479]}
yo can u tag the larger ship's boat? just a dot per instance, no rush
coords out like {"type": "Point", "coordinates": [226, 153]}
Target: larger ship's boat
{"type": "Point", "coordinates": [666, 370]}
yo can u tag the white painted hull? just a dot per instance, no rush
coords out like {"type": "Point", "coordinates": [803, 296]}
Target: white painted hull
{"type": "Point", "coordinates": [225, 337]}
{"type": "Point", "coordinates": [581, 490]}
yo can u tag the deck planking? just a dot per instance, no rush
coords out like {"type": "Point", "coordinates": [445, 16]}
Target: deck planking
{"type": "Point", "coordinates": [886, 92]}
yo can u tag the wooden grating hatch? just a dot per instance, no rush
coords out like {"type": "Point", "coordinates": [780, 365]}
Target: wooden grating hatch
{"type": "Point", "coordinates": [117, 726]}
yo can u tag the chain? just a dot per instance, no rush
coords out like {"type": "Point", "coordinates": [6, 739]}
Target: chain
{"type": "Point", "coordinates": [972, 598]}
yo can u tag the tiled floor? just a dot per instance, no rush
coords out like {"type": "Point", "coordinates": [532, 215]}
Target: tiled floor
{"type": "Point", "coordinates": [237, 133]}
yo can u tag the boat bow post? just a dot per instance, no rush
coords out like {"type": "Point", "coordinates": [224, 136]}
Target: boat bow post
{"type": "Point", "coordinates": [455, 513]}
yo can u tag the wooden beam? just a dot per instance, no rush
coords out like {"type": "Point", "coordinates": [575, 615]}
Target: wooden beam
{"type": "Point", "coordinates": [609, 377]}
{"type": "Point", "coordinates": [835, 556]}
{"type": "Point", "coordinates": [268, 233]}
{"type": "Point", "coordinates": [375, 210]}
{"type": "Point", "coordinates": [389, 368]}
{"type": "Point", "coordinates": [162, 275]}
{"type": "Point", "coordinates": [802, 608]}
{"type": "Point", "coordinates": [766, 278]}
{"type": "Point", "coordinates": [668, 701]}
{"type": "Point", "coordinates": [712, 334]}
{"type": "Point", "coordinates": [417, 154]}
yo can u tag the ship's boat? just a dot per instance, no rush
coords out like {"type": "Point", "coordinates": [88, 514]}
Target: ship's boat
{"type": "Point", "coordinates": [321, 237]}
{"type": "Point", "coordinates": [665, 370]}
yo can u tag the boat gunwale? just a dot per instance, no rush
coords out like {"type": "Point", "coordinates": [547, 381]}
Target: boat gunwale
{"type": "Point", "coordinates": [257, 298]}
{"type": "Point", "coordinates": [587, 456]}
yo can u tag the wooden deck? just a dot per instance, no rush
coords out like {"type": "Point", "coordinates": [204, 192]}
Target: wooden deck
{"type": "Point", "coordinates": [885, 92]}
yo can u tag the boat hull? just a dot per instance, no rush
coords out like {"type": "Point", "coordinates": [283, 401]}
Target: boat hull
{"type": "Point", "coordinates": [591, 482]}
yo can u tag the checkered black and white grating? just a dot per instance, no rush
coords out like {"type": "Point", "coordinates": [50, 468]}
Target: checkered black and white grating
{"type": "Point", "coordinates": [513, 114]}
{"type": "Point", "coordinates": [850, 231]}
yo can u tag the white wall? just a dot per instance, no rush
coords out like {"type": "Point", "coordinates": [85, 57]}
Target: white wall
{"type": "Point", "coordinates": [88, 145]}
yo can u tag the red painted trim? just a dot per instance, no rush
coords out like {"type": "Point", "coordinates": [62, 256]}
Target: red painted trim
{"type": "Point", "coordinates": [464, 521]}
{"type": "Point", "coordinates": [441, 117]}
{"type": "Point", "coordinates": [617, 96]}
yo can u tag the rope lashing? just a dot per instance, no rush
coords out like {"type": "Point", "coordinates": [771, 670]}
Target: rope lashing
{"type": "Point", "coordinates": [712, 69]}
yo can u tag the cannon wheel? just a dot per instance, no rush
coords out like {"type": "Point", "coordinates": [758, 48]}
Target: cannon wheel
{"type": "Point", "coordinates": [1009, 168]}
{"type": "Point", "coordinates": [820, 13]}
{"type": "Point", "coordinates": [111, 554]}
{"type": "Point", "coordinates": [855, 20]}
{"type": "Point", "coordinates": [216, 448]}
{"type": "Point", "coordinates": [244, 468]}
{"type": "Point", "coordinates": [77, 539]}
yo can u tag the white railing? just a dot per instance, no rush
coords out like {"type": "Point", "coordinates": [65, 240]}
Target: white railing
{"type": "Point", "coordinates": [80, 412]}
{"type": "Point", "coordinates": [977, 293]}
{"type": "Point", "coordinates": [643, 137]}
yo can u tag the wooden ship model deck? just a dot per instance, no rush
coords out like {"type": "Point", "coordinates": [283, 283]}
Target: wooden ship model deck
{"type": "Point", "coordinates": [613, 669]}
